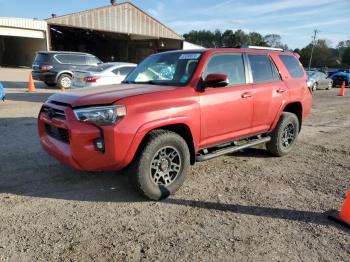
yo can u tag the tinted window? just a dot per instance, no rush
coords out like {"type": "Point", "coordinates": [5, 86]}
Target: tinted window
{"type": "Point", "coordinates": [125, 70]}
{"type": "Point", "coordinates": [92, 60]}
{"type": "Point", "coordinates": [42, 58]}
{"type": "Point", "coordinates": [78, 60]}
{"type": "Point", "coordinates": [293, 66]}
{"type": "Point", "coordinates": [262, 68]}
{"type": "Point", "coordinates": [229, 64]}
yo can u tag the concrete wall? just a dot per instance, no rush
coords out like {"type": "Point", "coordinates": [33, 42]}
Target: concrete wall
{"type": "Point", "coordinates": [19, 51]}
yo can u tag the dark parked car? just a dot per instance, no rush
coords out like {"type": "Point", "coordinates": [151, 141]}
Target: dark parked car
{"type": "Point", "coordinates": [340, 77]}
{"type": "Point", "coordinates": [318, 80]}
{"type": "Point", "coordinates": [56, 68]}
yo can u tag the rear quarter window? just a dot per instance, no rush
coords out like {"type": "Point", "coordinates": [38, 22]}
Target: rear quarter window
{"type": "Point", "coordinates": [293, 66]}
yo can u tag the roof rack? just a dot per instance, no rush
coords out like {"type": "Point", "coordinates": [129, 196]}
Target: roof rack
{"type": "Point", "coordinates": [265, 48]}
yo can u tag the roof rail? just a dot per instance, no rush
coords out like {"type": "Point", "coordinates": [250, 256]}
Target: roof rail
{"type": "Point", "coordinates": [265, 48]}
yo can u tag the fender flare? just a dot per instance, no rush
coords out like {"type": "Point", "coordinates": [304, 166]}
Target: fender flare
{"type": "Point", "coordinates": [280, 111]}
{"type": "Point", "coordinates": [149, 126]}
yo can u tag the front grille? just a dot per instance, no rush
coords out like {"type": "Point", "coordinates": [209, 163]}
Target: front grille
{"type": "Point", "coordinates": [53, 112]}
{"type": "Point", "coordinates": [58, 133]}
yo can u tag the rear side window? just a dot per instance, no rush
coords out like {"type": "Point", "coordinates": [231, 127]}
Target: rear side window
{"type": "Point", "coordinates": [293, 66]}
{"type": "Point", "coordinates": [71, 59]}
{"type": "Point", "coordinates": [229, 64]}
{"type": "Point", "coordinates": [78, 60]}
{"type": "Point", "coordinates": [263, 69]}
{"type": "Point", "coordinates": [125, 70]}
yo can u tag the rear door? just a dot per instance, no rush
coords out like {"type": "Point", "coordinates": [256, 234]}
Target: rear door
{"type": "Point", "coordinates": [226, 112]}
{"type": "Point", "coordinates": [268, 91]}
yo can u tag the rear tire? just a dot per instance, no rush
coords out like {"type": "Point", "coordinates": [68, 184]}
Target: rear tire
{"type": "Point", "coordinates": [314, 87]}
{"type": "Point", "coordinates": [284, 136]}
{"type": "Point", "coordinates": [64, 81]}
{"type": "Point", "coordinates": [161, 164]}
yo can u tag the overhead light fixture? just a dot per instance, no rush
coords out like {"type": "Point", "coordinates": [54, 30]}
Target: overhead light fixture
{"type": "Point", "coordinates": [162, 44]}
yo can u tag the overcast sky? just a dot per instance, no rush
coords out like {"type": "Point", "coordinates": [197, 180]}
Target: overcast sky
{"type": "Point", "coordinates": [294, 20]}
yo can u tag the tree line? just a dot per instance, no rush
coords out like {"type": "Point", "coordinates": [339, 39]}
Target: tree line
{"type": "Point", "coordinates": [323, 56]}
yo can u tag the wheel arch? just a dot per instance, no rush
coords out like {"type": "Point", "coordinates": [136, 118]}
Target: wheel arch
{"type": "Point", "coordinates": [292, 107]}
{"type": "Point", "coordinates": [181, 129]}
{"type": "Point", "coordinates": [63, 72]}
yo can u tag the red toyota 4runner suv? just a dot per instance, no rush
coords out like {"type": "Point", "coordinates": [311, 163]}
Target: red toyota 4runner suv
{"type": "Point", "coordinates": [177, 108]}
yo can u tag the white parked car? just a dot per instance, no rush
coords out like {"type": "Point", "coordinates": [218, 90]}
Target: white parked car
{"type": "Point", "coordinates": [103, 74]}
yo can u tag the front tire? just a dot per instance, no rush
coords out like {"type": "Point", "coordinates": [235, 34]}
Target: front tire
{"type": "Point", "coordinates": [284, 136]}
{"type": "Point", "coordinates": [161, 165]}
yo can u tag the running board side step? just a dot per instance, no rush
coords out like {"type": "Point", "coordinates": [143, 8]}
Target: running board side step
{"type": "Point", "coordinates": [231, 149]}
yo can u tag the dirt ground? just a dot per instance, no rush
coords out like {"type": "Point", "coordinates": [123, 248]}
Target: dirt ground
{"type": "Point", "coordinates": [246, 206]}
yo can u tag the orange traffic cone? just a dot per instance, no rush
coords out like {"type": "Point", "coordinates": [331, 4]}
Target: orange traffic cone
{"type": "Point", "coordinates": [342, 89]}
{"type": "Point", "coordinates": [342, 217]}
{"type": "Point", "coordinates": [31, 86]}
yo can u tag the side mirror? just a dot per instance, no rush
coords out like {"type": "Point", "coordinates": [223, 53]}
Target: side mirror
{"type": "Point", "coordinates": [216, 80]}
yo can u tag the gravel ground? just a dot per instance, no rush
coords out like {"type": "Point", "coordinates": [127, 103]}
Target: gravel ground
{"type": "Point", "coordinates": [246, 206]}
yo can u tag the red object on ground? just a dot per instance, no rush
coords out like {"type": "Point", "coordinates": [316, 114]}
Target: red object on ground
{"type": "Point", "coordinates": [345, 210]}
{"type": "Point", "coordinates": [342, 217]}
{"type": "Point", "coordinates": [342, 89]}
{"type": "Point", "coordinates": [31, 86]}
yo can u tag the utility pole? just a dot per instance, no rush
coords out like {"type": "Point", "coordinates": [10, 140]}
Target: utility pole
{"type": "Point", "coordinates": [313, 46]}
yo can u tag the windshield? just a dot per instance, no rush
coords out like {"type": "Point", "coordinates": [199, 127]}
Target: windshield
{"type": "Point", "coordinates": [166, 69]}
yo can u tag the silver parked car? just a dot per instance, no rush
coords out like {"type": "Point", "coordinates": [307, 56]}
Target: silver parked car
{"type": "Point", "coordinates": [103, 74]}
{"type": "Point", "coordinates": [318, 80]}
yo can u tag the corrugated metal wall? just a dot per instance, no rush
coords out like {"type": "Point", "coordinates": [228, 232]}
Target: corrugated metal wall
{"type": "Point", "coordinates": [122, 18]}
{"type": "Point", "coordinates": [24, 23]}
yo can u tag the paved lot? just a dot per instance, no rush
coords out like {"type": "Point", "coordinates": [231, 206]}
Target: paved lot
{"type": "Point", "coordinates": [246, 206]}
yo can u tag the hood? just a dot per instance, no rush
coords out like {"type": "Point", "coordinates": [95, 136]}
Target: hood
{"type": "Point", "coordinates": [105, 95]}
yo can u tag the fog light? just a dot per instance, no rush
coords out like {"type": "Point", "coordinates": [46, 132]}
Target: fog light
{"type": "Point", "coordinates": [99, 145]}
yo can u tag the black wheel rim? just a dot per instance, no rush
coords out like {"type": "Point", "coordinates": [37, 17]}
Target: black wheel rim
{"type": "Point", "coordinates": [165, 166]}
{"type": "Point", "coordinates": [288, 135]}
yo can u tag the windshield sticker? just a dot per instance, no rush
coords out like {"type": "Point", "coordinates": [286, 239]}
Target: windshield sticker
{"type": "Point", "coordinates": [189, 56]}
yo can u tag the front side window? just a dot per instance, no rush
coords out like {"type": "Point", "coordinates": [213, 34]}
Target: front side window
{"type": "Point", "coordinates": [293, 66]}
{"type": "Point", "coordinates": [231, 65]}
{"type": "Point", "coordinates": [174, 68]}
{"type": "Point", "coordinates": [263, 70]}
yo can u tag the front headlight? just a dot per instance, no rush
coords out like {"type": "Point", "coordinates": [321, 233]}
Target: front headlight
{"type": "Point", "coordinates": [104, 115]}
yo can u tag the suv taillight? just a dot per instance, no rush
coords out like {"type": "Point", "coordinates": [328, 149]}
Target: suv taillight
{"type": "Point", "coordinates": [46, 67]}
{"type": "Point", "coordinates": [91, 79]}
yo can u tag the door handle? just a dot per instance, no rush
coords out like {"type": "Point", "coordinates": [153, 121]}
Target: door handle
{"type": "Point", "coordinates": [246, 95]}
{"type": "Point", "coordinates": [281, 90]}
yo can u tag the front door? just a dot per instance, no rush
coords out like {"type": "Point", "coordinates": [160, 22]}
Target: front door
{"type": "Point", "coordinates": [226, 112]}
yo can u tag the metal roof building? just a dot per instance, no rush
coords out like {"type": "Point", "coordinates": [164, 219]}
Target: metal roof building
{"type": "Point", "coordinates": [117, 32]}
{"type": "Point", "coordinates": [20, 38]}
